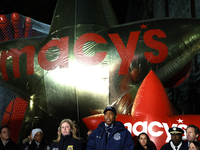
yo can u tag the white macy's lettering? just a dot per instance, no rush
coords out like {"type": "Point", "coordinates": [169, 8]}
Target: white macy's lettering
{"type": "Point", "coordinates": [149, 127]}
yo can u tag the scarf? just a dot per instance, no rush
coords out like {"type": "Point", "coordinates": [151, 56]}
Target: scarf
{"type": "Point", "coordinates": [108, 129]}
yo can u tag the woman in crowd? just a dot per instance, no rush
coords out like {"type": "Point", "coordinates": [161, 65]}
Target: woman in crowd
{"type": "Point", "coordinates": [38, 142]}
{"type": "Point", "coordinates": [195, 145]}
{"type": "Point", "coordinates": [144, 143]}
{"type": "Point", "coordinates": [66, 137]}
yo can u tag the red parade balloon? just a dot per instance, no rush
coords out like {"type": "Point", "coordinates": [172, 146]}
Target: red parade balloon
{"type": "Point", "coordinates": [151, 113]}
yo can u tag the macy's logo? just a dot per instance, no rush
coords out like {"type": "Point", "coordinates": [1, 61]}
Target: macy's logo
{"type": "Point", "coordinates": [154, 128]}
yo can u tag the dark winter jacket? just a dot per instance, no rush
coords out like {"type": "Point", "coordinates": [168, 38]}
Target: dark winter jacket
{"type": "Point", "coordinates": [168, 146]}
{"type": "Point", "coordinates": [9, 146]}
{"type": "Point", "coordinates": [141, 148]}
{"type": "Point", "coordinates": [67, 143]}
{"type": "Point", "coordinates": [24, 146]}
{"type": "Point", "coordinates": [35, 146]}
{"type": "Point", "coordinates": [119, 138]}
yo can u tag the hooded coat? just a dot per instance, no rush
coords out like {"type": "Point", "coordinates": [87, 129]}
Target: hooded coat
{"type": "Point", "coordinates": [119, 138]}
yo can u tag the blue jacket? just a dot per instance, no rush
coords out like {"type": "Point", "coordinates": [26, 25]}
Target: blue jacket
{"type": "Point", "coordinates": [119, 138]}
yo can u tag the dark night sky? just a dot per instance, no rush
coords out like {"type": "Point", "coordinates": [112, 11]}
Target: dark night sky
{"type": "Point", "coordinates": [42, 10]}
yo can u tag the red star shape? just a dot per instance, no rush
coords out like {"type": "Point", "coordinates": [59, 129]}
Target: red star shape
{"type": "Point", "coordinates": [143, 26]}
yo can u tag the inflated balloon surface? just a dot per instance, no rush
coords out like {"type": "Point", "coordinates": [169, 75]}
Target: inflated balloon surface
{"type": "Point", "coordinates": [88, 61]}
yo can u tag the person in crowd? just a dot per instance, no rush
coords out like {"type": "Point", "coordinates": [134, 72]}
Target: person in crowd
{"type": "Point", "coordinates": [192, 133]}
{"type": "Point", "coordinates": [38, 142]}
{"type": "Point", "coordinates": [27, 141]}
{"type": "Point", "coordinates": [6, 143]}
{"type": "Point", "coordinates": [57, 135]}
{"type": "Point", "coordinates": [67, 139]}
{"type": "Point", "coordinates": [143, 142]}
{"type": "Point", "coordinates": [176, 142]}
{"type": "Point", "coordinates": [76, 129]}
{"type": "Point", "coordinates": [88, 133]}
{"type": "Point", "coordinates": [195, 145]}
{"type": "Point", "coordinates": [111, 134]}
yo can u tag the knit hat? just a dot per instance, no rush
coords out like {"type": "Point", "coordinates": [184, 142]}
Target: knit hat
{"type": "Point", "coordinates": [36, 130]}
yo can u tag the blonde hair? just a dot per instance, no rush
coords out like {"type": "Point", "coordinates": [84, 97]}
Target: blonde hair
{"type": "Point", "coordinates": [71, 126]}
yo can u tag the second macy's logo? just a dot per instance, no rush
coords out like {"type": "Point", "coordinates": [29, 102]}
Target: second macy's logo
{"type": "Point", "coordinates": [149, 127]}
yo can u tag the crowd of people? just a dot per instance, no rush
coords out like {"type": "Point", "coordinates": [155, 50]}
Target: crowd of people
{"type": "Point", "coordinates": [109, 135]}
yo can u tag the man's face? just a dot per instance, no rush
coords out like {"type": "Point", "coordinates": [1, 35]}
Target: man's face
{"type": "Point", "coordinates": [5, 134]}
{"type": "Point", "coordinates": [190, 133]}
{"type": "Point", "coordinates": [109, 117]}
{"type": "Point", "coordinates": [176, 139]}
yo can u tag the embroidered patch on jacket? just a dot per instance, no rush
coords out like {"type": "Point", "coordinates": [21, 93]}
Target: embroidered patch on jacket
{"type": "Point", "coordinates": [117, 136]}
{"type": "Point", "coordinates": [70, 147]}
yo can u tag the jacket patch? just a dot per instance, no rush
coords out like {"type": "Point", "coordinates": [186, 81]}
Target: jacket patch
{"type": "Point", "coordinates": [70, 147]}
{"type": "Point", "coordinates": [117, 136]}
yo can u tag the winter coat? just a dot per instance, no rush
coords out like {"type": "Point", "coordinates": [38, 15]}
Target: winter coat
{"type": "Point", "coordinates": [35, 146]}
{"type": "Point", "coordinates": [168, 146]}
{"type": "Point", "coordinates": [119, 138]}
{"type": "Point", "coordinates": [9, 146]}
{"type": "Point", "coordinates": [67, 143]}
{"type": "Point", "coordinates": [141, 148]}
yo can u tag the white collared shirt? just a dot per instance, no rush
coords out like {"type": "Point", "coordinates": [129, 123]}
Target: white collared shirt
{"type": "Point", "coordinates": [5, 143]}
{"type": "Point", "coordinates": [174, 147]}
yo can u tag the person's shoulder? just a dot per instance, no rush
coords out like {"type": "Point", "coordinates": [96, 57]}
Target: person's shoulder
{"type": "Point", "coordinates": [54, 144]}
{"type": "Point", "coordinates": [1, 144]}
{"type": "Point", "coordinates": [100, 127]}
{"type": "Point", "coordinates": [184, 144]}
{"type": "Point", "coordinates": [120, 126]}
{"type": "Point", "coordinates": [13, 143]}
{"type": "Point", "coordinates": [23, 146]}
{"type": "Point", "coordinates": [119, 123]}
{"type": "Point", "coordinates": [165, 147]}
{"type": "Point", "coordinates": [78, 141]}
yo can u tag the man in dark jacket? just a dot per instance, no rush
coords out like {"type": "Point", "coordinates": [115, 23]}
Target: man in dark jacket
{"type": "Point", "coordinates": [111, 134]}
{"type": "Point", "coordinates": [176, 142]}
{"type": "Point", "coordinates": [6, 143]}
